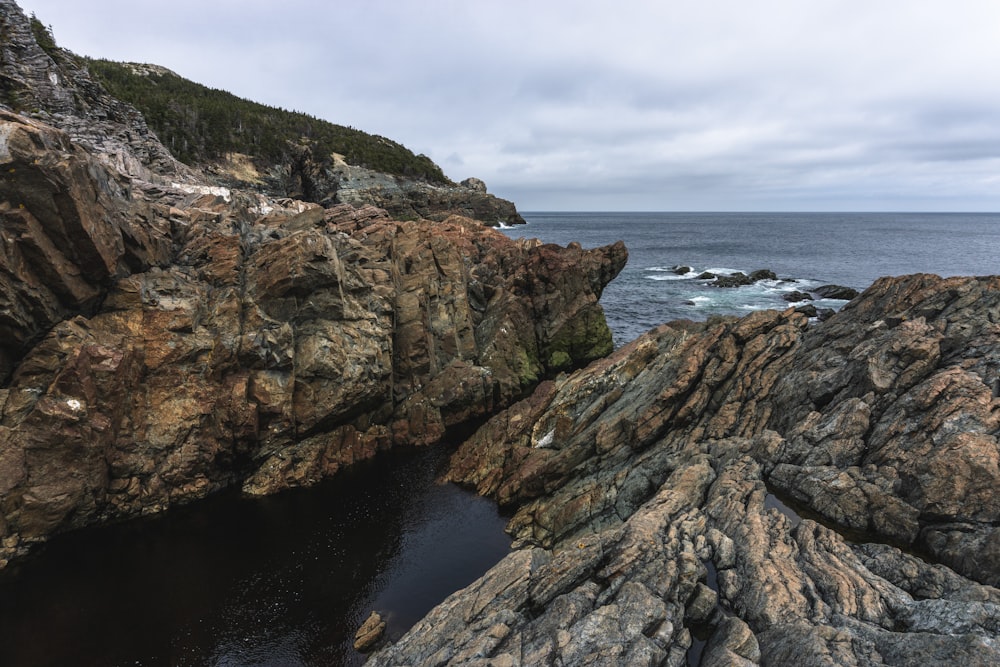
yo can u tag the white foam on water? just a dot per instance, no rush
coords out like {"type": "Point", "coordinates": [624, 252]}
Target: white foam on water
{"type": "Point", "coordinates": [721, 271]}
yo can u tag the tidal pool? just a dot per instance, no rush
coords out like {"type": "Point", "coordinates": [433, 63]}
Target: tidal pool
{"type": "Point", "coordinates": [283, 580]}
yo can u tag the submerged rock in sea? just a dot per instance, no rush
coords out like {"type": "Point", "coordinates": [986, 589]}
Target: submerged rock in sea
{"type": "Point", "coordinates": [881, 424]}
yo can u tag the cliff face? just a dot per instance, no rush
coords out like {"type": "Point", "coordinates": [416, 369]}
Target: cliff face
{"type": "Point", "coordinates": [164, 337]}
{"type": "Point", "coordinates": [645, 510]}
{"type": "Point", "coordinates": [53, 86]}
{"type": "Point", "coordinates": [328, 180]}
{"type": "Point", "coordinates": [162, 345]}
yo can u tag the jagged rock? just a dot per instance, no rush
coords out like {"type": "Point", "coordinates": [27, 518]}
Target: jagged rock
{"type": "Point", "coordinates": [370, 633]}
{"type": "Point", "coordinates": [165, 343]}
{"type": "Point", "coordinates": [53, 86]}
{"type": "Point", "coordinates": [70, 229]}
{"type": "Point", "coordinates": [796, 296]}
{"type": "Point", "coordinates": [881, 422]}
{"type": "Point", "coordinates": [835, 292]}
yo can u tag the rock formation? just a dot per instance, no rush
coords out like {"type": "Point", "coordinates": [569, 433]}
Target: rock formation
{"type": "Point", "coordinates": [763, 490]}
{"type": "Point", "coordinates": [161, 345]}
{"type": "Point", "coordinates": [652, 493]}
{"type": "Point", "coordinates": [54, 87]}
{"type": "Point", "coordinates": [329, 181]}
{"type": "Point", "coordinates": [165, 337]}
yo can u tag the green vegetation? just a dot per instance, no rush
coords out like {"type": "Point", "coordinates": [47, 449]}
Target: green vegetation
{"type": "Point", "coordinates": [582, 339]}
{"type": "Point", "coordinates": [43, 35]}
{"type": "Point", "coordinates": [200, 124]}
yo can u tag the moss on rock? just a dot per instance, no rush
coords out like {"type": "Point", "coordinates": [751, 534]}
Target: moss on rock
{"type": "Point", "coordinates": [581, 340]}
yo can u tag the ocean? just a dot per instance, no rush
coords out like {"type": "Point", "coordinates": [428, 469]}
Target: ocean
{"type": "Point", "coordinates": [813, 249]}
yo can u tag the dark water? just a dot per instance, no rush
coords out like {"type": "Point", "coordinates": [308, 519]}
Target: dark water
{"type": "Point", "coordinates": [283, 580]}
{"type": "Point", "coordinates": [851, 249]}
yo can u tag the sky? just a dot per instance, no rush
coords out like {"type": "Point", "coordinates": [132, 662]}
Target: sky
{"type": "Point", "coordinates": [658, 105]}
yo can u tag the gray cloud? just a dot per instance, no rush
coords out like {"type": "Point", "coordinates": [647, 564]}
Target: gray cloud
{"type": "Point", "coordinates": [719, 104]}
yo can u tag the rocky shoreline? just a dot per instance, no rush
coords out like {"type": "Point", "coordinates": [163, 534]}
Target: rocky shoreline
{"type": "Point", "coordinates": [163, 343]}
{"type": "Point", "coordinates": [166, 337]}
{"type": "Point", "coordinates": [643, 486]}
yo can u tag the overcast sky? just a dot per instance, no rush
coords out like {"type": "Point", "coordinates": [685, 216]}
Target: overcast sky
{"type": "Point", "coordinates": [715, 105]}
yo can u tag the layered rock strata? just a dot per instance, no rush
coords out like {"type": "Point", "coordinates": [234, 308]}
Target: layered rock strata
{"type": "Point", "coordinates": [53, 86]}
{"type": "Point", "coordinates": [652, 493]}
{"type": "Point", "coordinates": [161, 343]}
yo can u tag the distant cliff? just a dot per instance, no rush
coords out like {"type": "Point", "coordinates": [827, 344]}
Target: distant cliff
{"type": "Point", "coordinates": [282, 153]}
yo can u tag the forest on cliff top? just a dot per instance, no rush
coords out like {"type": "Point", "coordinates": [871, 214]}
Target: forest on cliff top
{"type": "Point", "coordinates": [201, 125]}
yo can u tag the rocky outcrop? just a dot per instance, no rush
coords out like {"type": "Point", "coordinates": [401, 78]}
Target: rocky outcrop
{"type": "Point", "coordinates": [653, 491]}
{"type": "Point", "coordinates": [165, 337]}
{"type": "Point", "coordinates": [70, 229]}
{"type": "Point", "coordinates": [163, 343]}
{"type": "Point", "coordinates": [53, 86]}
{"type": "Point", "coordinates": [408, 199]}
{"type": "Point", "coordinates": [328, 180]}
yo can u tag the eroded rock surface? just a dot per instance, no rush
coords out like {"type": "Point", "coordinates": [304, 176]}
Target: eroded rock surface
{"type": "Point", "coordinates": [643, 488]}
{"type": "Point", "coordinates": [161, 344]}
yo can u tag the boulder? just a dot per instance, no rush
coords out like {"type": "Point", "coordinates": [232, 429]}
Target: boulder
{"type": "Point", "coordinates": [474, 184]}
{"type": "Point", "coordinates": [370, 633]}
{"type": "Point", "coordinates": [796, 296]}
{"type": "Point", "coordinates": [835, 292]}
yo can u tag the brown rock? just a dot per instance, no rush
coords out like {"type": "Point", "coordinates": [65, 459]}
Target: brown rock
{"type": "Point", "coordinates": [165, 343]}
{"type": "Point", "coordinates": [881, 423]}
{"type": "Point", "coordinates": [370, 633]}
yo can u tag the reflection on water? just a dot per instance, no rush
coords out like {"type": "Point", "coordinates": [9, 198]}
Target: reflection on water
{"type": "Point", "coordinates": [284, 580]}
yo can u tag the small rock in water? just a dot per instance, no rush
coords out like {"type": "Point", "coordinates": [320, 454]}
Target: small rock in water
{"type": "Point", "coordinates": [680, 270]}
{"type": "Point", "coordinates": [369, 633]}
{"type": "Point", "coordinates": [763, 274]}
{"type": "Point", "coordinates": [738, 279]}
{"type": "Point", "coordinates": [835, 292]}
{"type": "Point", "coordinates": [795, 296]}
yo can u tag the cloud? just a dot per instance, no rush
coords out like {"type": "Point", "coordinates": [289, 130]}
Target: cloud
{"type": "Point", "coordinates": [715, 104]}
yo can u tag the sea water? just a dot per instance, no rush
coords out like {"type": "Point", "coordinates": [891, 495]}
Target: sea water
{"type": "Point", "coordinates": [811, 249]}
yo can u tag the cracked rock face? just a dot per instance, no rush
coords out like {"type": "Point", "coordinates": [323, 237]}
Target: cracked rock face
{"type": "Point", "coordinates": [164, 343]}
{"type": "Point", "coordinates": [53, 86]}
{"type": "Point", "coordinates": [645, 509]}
